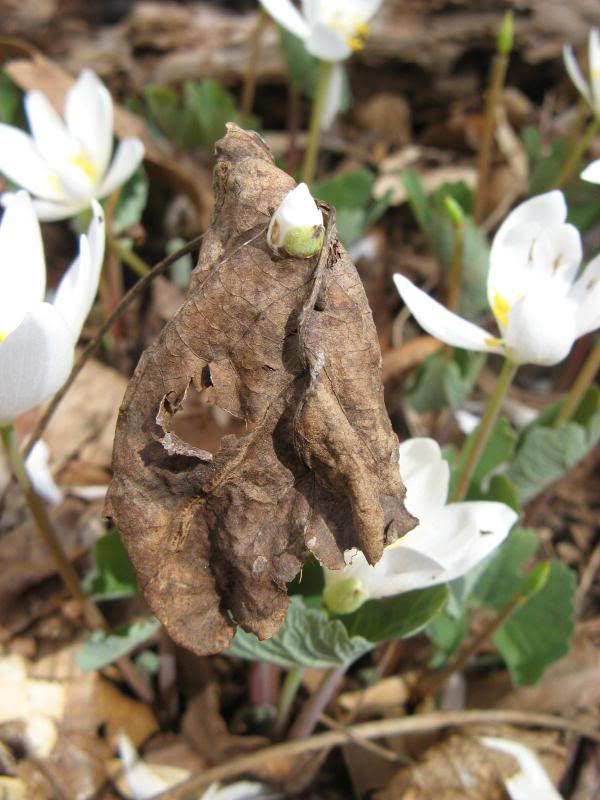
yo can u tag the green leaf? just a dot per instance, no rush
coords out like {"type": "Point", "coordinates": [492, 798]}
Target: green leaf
{"type": "Point", "coordinates": [307, 638]}
{"type": "Point", "coordinates": [501, 490]}
{"type": "Point", "coordinates": [396, 617]}
{"type": "Point", "coordinates": [441, 381]}
{"type": "Point", "coordinates": [10, 101]}
{"type": "Point", "coordinates": [350, 195]}
{"type": "Point", "coordinates": [212, 106]}
{"type": "Point", "coordinates": [503, 577]}
{"type": "Point", "coordinates": [539, 632]}
{"type": "Point", "coordinates": [303, 68]}
{"type": "Point", "coordinates": [113, 576]}
{"type": "Point", "coordinates": [101, 649]}
{"type": "Point", "coordinates": [131, 203]}
{"type": "Point", "coordinates": [545, 454]}
{"type": "Point", "coordinates": [417, 197]}
{"type": "Point", "coordinates": [498, 450]}
{"type": "Point", "coordinates": [446, 633]}
{"type": "Point", "coordinates": [164, 109]}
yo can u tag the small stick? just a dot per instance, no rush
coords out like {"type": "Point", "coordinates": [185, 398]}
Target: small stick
{"type": "Point", "coordinates": [402, 726]}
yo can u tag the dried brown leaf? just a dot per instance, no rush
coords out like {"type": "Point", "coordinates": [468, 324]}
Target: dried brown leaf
{"type": "Point", "coordinates": [289, 347]}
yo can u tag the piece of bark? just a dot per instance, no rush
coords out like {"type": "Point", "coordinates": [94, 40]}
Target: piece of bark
{"type": "Point", "coordinates": [289, 346]}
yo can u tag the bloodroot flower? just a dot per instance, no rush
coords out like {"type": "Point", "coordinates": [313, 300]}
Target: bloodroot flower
{"type": "Point", "coordinates": [64, 164]}
{"type": "Point", "coordinates": [37, 339]}
{"type": "Point", "coordinates": [448, 542]}
{"type": "Point", "coordinates": [539, 302]}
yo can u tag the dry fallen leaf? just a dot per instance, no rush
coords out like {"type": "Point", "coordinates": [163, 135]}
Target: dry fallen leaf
{"type": "Point", "coordinates": [288, 346]}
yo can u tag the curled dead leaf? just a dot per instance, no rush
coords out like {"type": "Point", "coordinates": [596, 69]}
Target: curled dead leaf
{"type": "Point", "coordinates": [289, 347]}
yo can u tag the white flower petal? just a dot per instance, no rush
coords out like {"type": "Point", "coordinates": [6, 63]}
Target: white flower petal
{"type": "Point", "coordinates": [48, 130]}
{"type": "Point", "coordinates": [89, 118]}
{"type": "Point", "coordinates": [48, 211]}
{"type": "Point", "coordinates": [531, 781]}
{"type": "Point", "coordinates": [461, 535]}
{"type": "Point", "coordinates": [576, 75]}
{"type": "Point", "coordinates": [542, 325]}
{"type": "Point", "coordinates": [22, 265]}
{"type": "Point", "coordinates": [21, 162]}
{"type": "Point", "coordinates": [594, 61]}
{"type": "Point", "coordinates": [334, 97]}
{"type": "Point", "coordinates": [592, 172]}
{"type": "Point", "coordinates": [143, 781]}
{"type": "Point", "coordinates": [35, 361]}
{"type": "Point", "coordinates": [557, 254]}
{"type": "Point", "coordinates": [128, 156]}
{"type": "Point", "coordinates": [287, 15]}
{"type": "Point", "coordinates": [242, 790]}
{"type": "Point", "coordinates": [78, 287]}
{"type": "Point", "coordinates": [586, 293]}
{"type": "Point", "coordinates": [327, 43]}
{"type": "Point", "coordinates": [509, 275]}
{"type": "Point", "coordinates": [40, 475]}
{"type": "Point", "coordinates": [441, 323]}
{"type": "Point", "coordinates": [426, 476]}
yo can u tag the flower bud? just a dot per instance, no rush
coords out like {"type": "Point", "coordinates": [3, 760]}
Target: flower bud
{"type": "Point", "coordinates": [345, 595]}
{"type": "Point", "coordinates": [297, 225]}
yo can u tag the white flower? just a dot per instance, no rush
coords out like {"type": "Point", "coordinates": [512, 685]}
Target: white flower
{"type": "Point", "coordinates": [592, 172]}
{"type": "Point", "coordinates": [65, 164]}
{"type": "Point", "coordinates": [37, 339]}
{"type": "Point", "coordinates": [39, 473]}
{"type": "Point", "coordinates": [540, 305]}
{"type": "Point", "coordinates": [531, 781]}
{"type": "Point", "coordinates": [591, 90]}
{"type": "Point", "coordinates": [297, 224]}
{"type": "Point", "coordinates": [448, 541]}
{"type": "Point", "coordinates": [330, 29]}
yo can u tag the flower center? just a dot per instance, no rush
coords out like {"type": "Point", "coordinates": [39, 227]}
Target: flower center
{"type": "Point", "coordinates": [501, 309]}
{"type": "Point", "coordinates": [3, 336]}
{"type": "Point", "coordinates": [82, 162]}
{"type": "Point", "coordinates": [354, 31]}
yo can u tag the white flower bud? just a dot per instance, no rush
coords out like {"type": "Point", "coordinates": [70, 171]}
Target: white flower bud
{"type": "Point", "coordinates": [297, 225]}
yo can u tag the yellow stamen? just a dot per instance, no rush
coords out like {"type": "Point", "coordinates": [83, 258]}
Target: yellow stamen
{"type": "Point", "coordinates": [55, 183]}
{"type": "Point", "coordinates": [3, 336]}
{"type": "Point", "coordinates": [356, 41]}
{"type": "Point", "coordinates": [82, 162]}
{"type": "Point", "coordinates": [493, 341]}
{"type": "Point", "coordinates": [501, 309]}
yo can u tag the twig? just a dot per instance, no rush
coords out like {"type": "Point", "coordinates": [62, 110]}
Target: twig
{"type": "Point", "coordinates": [249, 89]}
{"type": "Point", "coordinates": [92, 346]}
{"type": "Point", "coordinates": [377, 749]}
{"type": "Point", "coordinates": [402, 726]}
{"type": "Point", "coordinates": [305, 722]}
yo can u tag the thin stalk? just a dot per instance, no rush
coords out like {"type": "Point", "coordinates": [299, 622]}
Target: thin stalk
{"type": "Point", "coordinates": [583, 381]}
{"type": "Point", "coordinates": [127, 256]}
{"type": "Point", "coordinates": [578, 151]}
{"type": "Point", "coordinates": [497, 78]}
{"type": "Point", "coordinates": [287, 695]}
{"type": "Point", "coordinates": [484, 430]}
{"type": "Point", "coordinates": [455, 279]}
{"type": "Point", "coordinates": [249, 90]}
{"type": "Point", "coordinates": [307, 719]}
{"type": "Point", "coordinates": [435, 681]}
{"type": "Point", "coordinates": [314, 132]}
{"type": "Point", "coordinates": [92, 614]}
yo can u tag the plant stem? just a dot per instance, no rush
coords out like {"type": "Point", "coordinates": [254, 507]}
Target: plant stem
{"type": "Point", "coordinates": [314, 133]}
{"type": "Point", "coordinates": [578, 151]}
{"type": "Point", "coordinates": [249, 90]}
{"type": "Point", "coordinates": [287, 695]}
{"type": "Point", "coordinates": [456, 268]}
{"type": "Point", "coordinates": [92, 614]}
{"type": "Point", "coordinates": [307, 719]}
{"type": "Point", "coordinates": [484, 430]}
{"type": "Point", "coordinates": [133, 261]}
{"type": "Point", "coordinates": [435, 681]}
{"type": "Point", "coordinates": [484, 161]}
{"type": "Point", "coordinates": [582, 382]}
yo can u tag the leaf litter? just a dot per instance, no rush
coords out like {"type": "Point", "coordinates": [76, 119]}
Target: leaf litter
{"type": "Point", "coordinates": [288, 346]}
